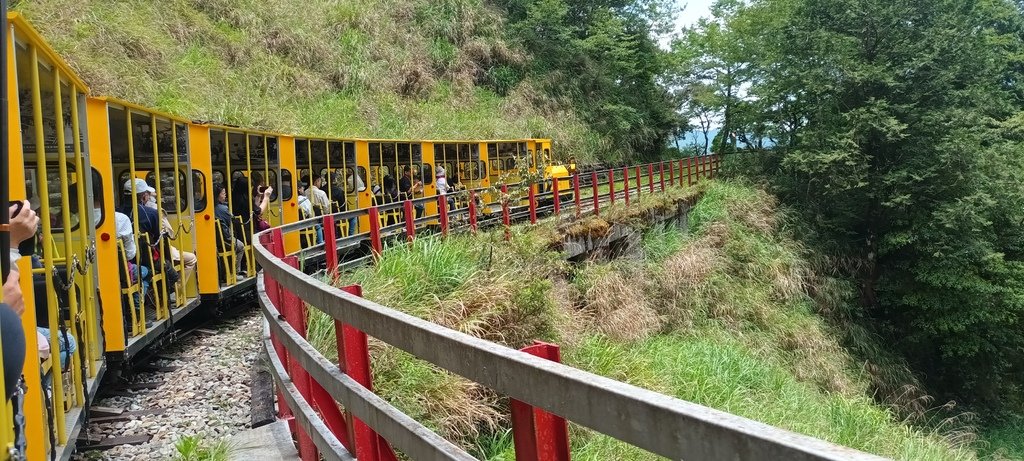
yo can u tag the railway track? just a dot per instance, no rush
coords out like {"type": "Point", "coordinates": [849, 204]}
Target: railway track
{"type": "Point", "coordinates": [197, 385]}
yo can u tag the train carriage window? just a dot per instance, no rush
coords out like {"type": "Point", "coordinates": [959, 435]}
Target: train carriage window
{"type": "Point", "coordinates": [427, 172]}
{"type": "Point", "coordinates": [121, 196]}
{"type": "Point", "coordinates": [198, 191]}
{"type": "Point", "coordinates": [510, 164]}
{"type": "Point", "coordinates": [218, 177]}
{"type": "Point", "coordinates": [54, 194]}
{"type": "Point", "coordinates": [286, 185]}
{"type": "Point", "coordinates": [217, 146]}
{"type": "Point", "coordinates": [481, 169]}
{"type": "Point", "coordinates": [352, 183]}
{"type": "Point", "coordinates": [272, 150]}
{"type": "Point", "coordinates": [272, 182]}
{"type": "Point", "coordinates": [166, 188]}
{"type": "Point", "coordinates": [495, 166]}
{"type": "Point", "coordinates": [98, 214]}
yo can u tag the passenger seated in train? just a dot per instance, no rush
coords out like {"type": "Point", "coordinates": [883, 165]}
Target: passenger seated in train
{"type": "Point", "coordinates": [355, 183]}
{"type": "Point", "coordinates": [387, 192]}
{"type": "Point", "coordinates": [443, 188]}
{"type": "Point", "coordinates": [124, 233]}
{"type": "Point", "coordinates": [409, 187]}
{"type": "Point", "coordinates": [150, 225]}
{"type": "Point", "coordinates": [306, 212]}
{"type": "Point", "coordinates": [249, 201]}
{"type": "Point", "coordinates": [149, 219]}
{"type": "Point", "coordinates": [317, 197]}
{"type": "Point", "coordinates": [177, 257]}
{"type": "Point", "coordinates": [337, 193]}
{"type": "Point", "coordinates": [224, 218]}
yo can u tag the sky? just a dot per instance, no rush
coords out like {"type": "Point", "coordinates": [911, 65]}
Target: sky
{"type": "Point", "coordinates": [692, 10]}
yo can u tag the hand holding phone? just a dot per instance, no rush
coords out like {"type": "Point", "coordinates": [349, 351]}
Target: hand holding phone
{"type": "Point", "coordinates": [23, 222]}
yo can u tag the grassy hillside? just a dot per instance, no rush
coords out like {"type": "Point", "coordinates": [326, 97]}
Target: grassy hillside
{"type": "Point", "coordinates": [371, 68]}
{"type": "Point", "coordinates": [730, 315]}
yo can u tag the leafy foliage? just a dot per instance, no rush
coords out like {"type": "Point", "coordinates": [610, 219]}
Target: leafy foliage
{"type": "Point", "coordinates": [895, 126]}
{"type": "Point", "coordinates": [601, 56]}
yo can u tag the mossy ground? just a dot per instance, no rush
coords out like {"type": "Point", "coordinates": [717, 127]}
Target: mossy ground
{"type": "Point", "coordinates": [725, 315]}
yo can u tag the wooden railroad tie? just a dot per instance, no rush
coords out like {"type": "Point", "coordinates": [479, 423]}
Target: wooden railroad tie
{"type": "Point", "coordinates": [128, 415]}
{"type": "Point", "coordinates": [111, 442]}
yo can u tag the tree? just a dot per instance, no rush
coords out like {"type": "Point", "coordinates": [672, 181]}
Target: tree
{"type": "Point", "coordinates": [895, 123]}
{"type": "Point", "coordinates": [601, 57]}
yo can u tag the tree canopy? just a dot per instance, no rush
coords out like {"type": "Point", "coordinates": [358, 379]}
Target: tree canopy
{"type": "Point", "coordinates": [895, 128]}
{"type": "Point", "coordinates": [602, 58]}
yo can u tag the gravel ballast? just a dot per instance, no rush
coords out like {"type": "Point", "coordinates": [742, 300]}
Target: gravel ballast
{"type": "Point", "coordinates": [208, 395]}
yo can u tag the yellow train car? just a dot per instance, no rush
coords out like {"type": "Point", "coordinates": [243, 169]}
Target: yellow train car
{"type": "Point", "coordinates": [139, 152]}
{"type": "Point", "coordinates": [245, 163]}
{"type": "Point", "coordinates": [48, 154]}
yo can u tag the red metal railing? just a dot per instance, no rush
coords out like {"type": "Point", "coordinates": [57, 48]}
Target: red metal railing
{"type": "Point", "coordinates": [334, 414]}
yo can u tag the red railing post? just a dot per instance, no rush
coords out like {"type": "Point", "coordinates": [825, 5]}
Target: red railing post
{"type": "Point", "coordinates": [597, 198]}
{"type": "Point", "coordinates": [680, 172]}
{"type": "Point", "coordinates": [537, 434]}
{"type": "Point", "coordinates": [472, 211]}
{"type": "Point", "coordinates": [661, 174]}
{"type": "Point", "coordinates": [576, 192]}
{"type": "Point", "coordinates": [689, 171]}
{"type": "Point", "coordinates": [330, 245]}
{"type": "Point", "coordinates": [294, 312]}
{"type": "Point", "coordinates": [639, 181]}
{"type": "Point", "coordinates": [442, 211]}
{"type": "Point", "coordinates": [410, 220]}
{"type": "Point", "coordinates": [611, 186]}
{"type": "Point", "coordinates": [554, 193]}
{"type": "Point", "coordinates": [274, 293]}
{"type": "Point", "coordinates": [650, 177]}
{"type": "Point", "coordinates": [354, 360]}
{"type": "Point", "coordinates": [671, 174]}
{"type": "Point", "coordinates": [533, 204]}
{"type": "Point", "coordinates": [625, 183]}
{"type": "Point", "coordinates": [375, 242]}
{"type": "Point", "coordinates": [506, 220]}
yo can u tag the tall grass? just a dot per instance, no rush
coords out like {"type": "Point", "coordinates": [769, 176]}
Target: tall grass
{"type": "Point", "coordinates": [368, 68]}
{"type": "Point", "coordinates": [1004, 439]}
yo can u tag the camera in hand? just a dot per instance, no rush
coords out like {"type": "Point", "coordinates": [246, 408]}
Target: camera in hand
{"type": "Point", "coordinates": [261, 190]}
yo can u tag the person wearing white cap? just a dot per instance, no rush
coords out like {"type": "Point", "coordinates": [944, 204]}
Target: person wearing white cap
{"type": "Point", "coordinates": [149, 219]}
{"type": "Point", "coordinates": [443, 188]}
{"type": "Point", "coordinates": [186, 259]}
